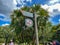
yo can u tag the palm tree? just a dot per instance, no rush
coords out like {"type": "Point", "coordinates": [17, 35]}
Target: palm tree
{"type": "Point", "coordinates": [17, 22]}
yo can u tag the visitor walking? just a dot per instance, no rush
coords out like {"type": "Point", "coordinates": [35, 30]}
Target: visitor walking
{"type": "Point", "coordinates": [11, 42]}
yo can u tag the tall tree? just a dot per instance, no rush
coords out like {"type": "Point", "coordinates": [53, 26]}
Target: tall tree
{"type": "Point", "coordinates": [56, 32]}
{"type": "Point", "coordinates": [18, 23]}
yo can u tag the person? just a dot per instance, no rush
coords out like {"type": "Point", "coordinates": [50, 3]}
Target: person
{"type": "Point", "coordinates": [54, 42]}
{"type": "Point", "coordinates": [11, 42]}
{"type": "Point", "coordinates": [57, 42]}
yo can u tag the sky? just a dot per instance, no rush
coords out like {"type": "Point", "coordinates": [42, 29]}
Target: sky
{"type": "Point", "coordinates": [7, 6]}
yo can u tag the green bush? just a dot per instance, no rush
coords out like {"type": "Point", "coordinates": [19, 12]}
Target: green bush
{"type": "Point", "coordinates": [2, 40]}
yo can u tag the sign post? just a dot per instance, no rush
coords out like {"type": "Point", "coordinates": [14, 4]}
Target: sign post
{"type": "Point", "coordinates": [36, 29]}
{"type": "Point", "coordinates": [34, 16]}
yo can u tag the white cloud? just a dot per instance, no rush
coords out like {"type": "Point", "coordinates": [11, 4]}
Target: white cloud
{"type": "Point", "coordinates": [59, 21]}
{"type": "Point", "coordinates": [5, 24]}
{"type": "Point", "coordinates": [7, 6]}
{"type": "Point", "coordinates": [29, 0]}
{"type": "Point", "coordinates": [14, 1]}
{"type": "Point", "coordinates": [53, 7]}
{"type": "Point", "coordinates": [53, 1]}
{"type": "Point", "coordinates": [6, 18]}
{"type": "Point", "coordinates": [2, 15]}
{"type": "Point", "coordinates": [21, 3]}
{"type": "Point", "coordinates": [50, 8]}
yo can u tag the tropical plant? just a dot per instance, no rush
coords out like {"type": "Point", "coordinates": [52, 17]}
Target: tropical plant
{"type": "Point", "coordinates": [23, 33]}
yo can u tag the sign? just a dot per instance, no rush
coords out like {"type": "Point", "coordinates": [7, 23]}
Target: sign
{"type": "Point", "coordinates": [28, 22]}
{"type": "Point", "coordinates": [28, 14]}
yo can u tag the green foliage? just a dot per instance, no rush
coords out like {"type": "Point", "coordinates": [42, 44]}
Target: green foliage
{"type": "Point", "coordinates": [28, 34]}
{"type": "Point", "coordinates": [22, 34]}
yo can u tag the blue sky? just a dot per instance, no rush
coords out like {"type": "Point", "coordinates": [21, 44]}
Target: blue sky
{"type": "Point", "coordinates": [7, 6]}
